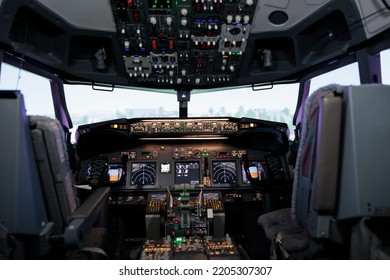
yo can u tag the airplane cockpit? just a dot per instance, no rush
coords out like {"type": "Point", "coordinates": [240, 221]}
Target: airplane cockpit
{"type": "Point", "coordinates": [200, 180]}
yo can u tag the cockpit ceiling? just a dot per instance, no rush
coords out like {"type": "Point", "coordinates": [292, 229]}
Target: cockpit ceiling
{"type": "Point", "coordinates": [187, 44]}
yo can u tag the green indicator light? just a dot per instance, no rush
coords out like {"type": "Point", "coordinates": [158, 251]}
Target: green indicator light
{"type": "Point", "coordinates": [179, 240]}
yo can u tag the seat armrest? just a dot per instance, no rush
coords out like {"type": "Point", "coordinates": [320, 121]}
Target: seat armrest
{"type": "Point", "coordinates": [83, 219]}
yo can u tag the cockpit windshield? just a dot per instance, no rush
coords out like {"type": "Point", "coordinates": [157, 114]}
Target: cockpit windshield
{"type": "Point", "coordinates": [88, 106]}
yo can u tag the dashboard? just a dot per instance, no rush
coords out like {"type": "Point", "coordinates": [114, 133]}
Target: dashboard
{"type": "Point", "coordinates": [183, 181]}
{"type": "Point", "coordinates": [156, 154]}
{"type": "Point", "coordinates": [162, 165]}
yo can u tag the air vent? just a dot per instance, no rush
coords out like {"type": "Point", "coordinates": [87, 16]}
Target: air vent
{"type": "Point", "coordinates": [278, 17]}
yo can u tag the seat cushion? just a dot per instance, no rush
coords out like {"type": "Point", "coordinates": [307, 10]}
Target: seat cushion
{"type": "Point", "coordinates": [276, 221]}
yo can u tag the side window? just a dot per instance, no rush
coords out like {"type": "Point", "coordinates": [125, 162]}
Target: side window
{"type": "Point", "coordinates": [35, 89]}
{"type": "Point", "coordinates": [385, 65]}
{"type": "Point", "coordinates": [347, 75]}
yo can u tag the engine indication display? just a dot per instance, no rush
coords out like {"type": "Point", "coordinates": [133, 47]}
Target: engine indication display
{"type": "Point", "coordinates": [187, 172]}
{"type": "Point", "coordinates": [143, 173]}
{"type": "Point", "coordinates": [224, 172]}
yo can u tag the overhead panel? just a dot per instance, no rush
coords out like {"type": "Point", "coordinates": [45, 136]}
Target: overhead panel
{"type": "Point", "coordinates": [184, 43]}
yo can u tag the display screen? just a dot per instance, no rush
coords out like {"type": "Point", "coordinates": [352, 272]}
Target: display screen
{"type": "Point", "coordinates": [143, 173]}
{"type": "Point", "coordinates": [224, 172]}
{"type": "Point", "coordinates": [187, 172]}
{"type": "Point", "coordinates": [115, 173]}
{"type": "Point", "coordinates": [256, 170]}
{"type": "Point", "coordinates": [211, 196]}
{"type": "Point", "coordinates": [165, 167]}
{"type": "Point", "coordinates": [158, 197]}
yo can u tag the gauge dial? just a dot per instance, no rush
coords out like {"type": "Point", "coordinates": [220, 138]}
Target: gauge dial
{"type": "Point", "coordinates": [224, 172]}
{"type": "Point", "coordinates": [143, 173]}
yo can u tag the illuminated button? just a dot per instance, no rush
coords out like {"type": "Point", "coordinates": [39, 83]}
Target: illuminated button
{"type": "Point", "coordinates": [229, 19]}
{"type": "Point", "coordinates": [127, 46]}
{"type": "Point", "coordinates": [246, 19]}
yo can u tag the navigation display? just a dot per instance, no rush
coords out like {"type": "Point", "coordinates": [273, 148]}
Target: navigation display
{"type": "Point", "coordinates": [256, 170]}
{"type": "Point", "coordinates": [187, 172]}
{"type": "Point", "coordinates": [143, 173]}
{"type": "Point", "coordinates": [224, 172]}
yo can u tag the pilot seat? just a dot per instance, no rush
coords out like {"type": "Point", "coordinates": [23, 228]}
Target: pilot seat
{"type": "Point", "coordinates": [341, 200]}
{"type": "Point", "coordinates": [41, 214]}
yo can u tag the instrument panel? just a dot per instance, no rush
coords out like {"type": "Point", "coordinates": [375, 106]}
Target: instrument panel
{"type": "Point", "coordinates": [159, 166]}
{"type": "Point", "coordinates": [156, 154]}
